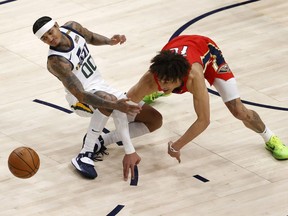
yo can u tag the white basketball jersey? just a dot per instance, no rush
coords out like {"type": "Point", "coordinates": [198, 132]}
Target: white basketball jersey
{"type": "Point", "coordinates": [82, 63]}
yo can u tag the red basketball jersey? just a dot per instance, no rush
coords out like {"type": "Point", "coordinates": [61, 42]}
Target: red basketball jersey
{"type": "Point", "coordinates": [196, 48]}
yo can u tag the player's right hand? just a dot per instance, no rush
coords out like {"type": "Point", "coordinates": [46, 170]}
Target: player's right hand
{"type": "Point", "coordinates": [127, 106]}
{"type": "Point", "coordinates": [173, 153]}
{"type": "Point", "coordinates": [117, 39]}
{"type": "Point", "coordinates": [129, 161]}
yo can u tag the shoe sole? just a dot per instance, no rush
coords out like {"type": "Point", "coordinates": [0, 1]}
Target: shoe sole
{"type": "Point", "coordinates": [275, 156]}
{"type": "Point", "coordinates": [75, 164]}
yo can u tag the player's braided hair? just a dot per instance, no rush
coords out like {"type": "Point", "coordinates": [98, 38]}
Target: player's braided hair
{"type": "Point", "coordinates": [40, 22]}
{"type": "Point", "coordinates": [168, 65]}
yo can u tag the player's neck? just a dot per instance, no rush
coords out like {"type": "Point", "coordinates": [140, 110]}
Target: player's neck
{"type": "Point", "coordinates": [65, 43]}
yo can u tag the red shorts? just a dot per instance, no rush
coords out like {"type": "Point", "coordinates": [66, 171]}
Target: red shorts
{"type": "Point", "coordinates": [216, 66]}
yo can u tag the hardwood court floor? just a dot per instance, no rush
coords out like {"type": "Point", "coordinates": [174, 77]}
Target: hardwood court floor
{"type": "Point", "coordinates": [244, 179]}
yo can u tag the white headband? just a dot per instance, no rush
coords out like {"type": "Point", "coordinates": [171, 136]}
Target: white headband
{"type": "Point", "coordinates": [45, 28]}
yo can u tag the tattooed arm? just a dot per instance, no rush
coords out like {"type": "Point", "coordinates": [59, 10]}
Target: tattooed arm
{"type": "Point", "coordinates": [94, 38]}
{"type": "Point", "coordinates": [61, 68]}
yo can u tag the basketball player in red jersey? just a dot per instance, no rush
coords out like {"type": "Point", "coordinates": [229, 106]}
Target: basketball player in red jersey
{"type": "Point", "coordinates": [182, 66]}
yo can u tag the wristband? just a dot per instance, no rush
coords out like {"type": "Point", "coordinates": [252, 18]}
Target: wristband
{"type": "Point", "coordinates": [171, 148]}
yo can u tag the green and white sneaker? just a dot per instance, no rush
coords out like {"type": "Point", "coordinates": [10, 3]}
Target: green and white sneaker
{"type": "Point", "coordinates": [278, 149]}
{"type": "Point", "coordinates": [152, 97]}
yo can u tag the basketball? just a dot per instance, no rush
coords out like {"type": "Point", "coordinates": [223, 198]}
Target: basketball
{"type": "Point", "coordinates": [23, 162]}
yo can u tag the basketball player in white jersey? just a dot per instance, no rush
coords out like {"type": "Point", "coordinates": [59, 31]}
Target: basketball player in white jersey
{"type": "Point", "coordinates": [88, 94]}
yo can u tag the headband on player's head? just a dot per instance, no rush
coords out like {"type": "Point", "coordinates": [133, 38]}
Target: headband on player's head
{"type": "Point", "coordinates": [45, 28]}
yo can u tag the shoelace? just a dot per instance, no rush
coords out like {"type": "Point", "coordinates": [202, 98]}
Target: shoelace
{"type": "Point", "coordinates": [98, 156]}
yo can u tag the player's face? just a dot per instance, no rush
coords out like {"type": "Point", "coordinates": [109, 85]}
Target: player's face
{"type": "Point", "coordinates": [52, 37]}
{"type": "Point", "coordinates": [168, 86]}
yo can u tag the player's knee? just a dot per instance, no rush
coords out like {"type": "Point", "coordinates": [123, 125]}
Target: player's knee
{"type": "Point", "coordinates": [157, 121]}
{"type": "Point", "coordinates": [237, 109]}
{"type": "Point", "coordinates": [150, 117]}
{"type": "Point", "coordinates": [110, 97]}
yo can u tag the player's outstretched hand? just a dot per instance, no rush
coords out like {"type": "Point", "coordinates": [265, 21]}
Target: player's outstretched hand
{"type": "Point", "coordinates": [127, 106]}
{"type": "Point", "coordinates": [117, 39]}
{"type": "Point", "coordinates": [173, 153]}
{"type": "Point", "coordinates": [129, 161]}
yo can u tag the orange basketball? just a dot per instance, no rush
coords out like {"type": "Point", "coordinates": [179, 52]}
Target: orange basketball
{"type": "Point", "coordinates": [23, 162]}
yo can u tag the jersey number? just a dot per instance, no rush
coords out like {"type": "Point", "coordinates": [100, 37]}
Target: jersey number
{"type": "Point", "coordinates": [88, 67]}
{"type": "Point", "coordinates": [182, 51]}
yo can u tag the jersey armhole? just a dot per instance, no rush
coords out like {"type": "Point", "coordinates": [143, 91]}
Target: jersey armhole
{"type": "Point", "coordinates": [72, 66]}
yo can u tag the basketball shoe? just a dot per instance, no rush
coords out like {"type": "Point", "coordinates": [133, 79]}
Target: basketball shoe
{"type": "Point", "coordinates": [278, 149]}
{"type": "Point", "coordinates": [85, 165]}
{"type": "Point", "coordinates": [84, 162]}
{"type": "Point", "coordinates": [152, 97]}
{"type": "Point", "coordinates": [99, 149]}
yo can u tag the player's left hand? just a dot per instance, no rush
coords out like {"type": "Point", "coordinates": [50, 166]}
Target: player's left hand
{"type": "Point", "coordinates": [117, 39]}
{"type": "Point", "coordinates": [173, 153]}
{"type": "Point", "coordinates": [129, 161]}
{"type": "Point", "coordinates": [126, 106]}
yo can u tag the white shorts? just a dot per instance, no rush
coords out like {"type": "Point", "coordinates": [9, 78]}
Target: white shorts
{"type": "Point", "coordinates": [85, 110]}
{"type": "Point", "coordinates": [227, 89]}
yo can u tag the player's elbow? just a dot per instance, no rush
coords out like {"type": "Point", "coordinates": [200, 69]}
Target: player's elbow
{"type": "Point", "coordinates": [205, 122]}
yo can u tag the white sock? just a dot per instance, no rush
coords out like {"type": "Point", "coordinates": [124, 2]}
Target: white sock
{"type": "Point", "coordinates": [266, 134]}
{"type": "Point", "coordinates": [135, 129]}
{"type": "Point", "coordinates": [97, 123]}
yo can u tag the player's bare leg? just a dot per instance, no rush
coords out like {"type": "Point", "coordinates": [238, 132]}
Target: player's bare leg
{"type": "Point", "coordinates": [252, 120]}
{"type": "Point", "coordinates": [150, 117]}
{"type": "Point", "coordinates": [147, 121]}
{"type": "Point", "coordinates": [249, 117]}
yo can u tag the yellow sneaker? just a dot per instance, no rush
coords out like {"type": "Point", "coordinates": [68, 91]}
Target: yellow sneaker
{"type": "Point", "coordinates": [278, 149]}
{"type": "Point", "coordinates": [152, 97]}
